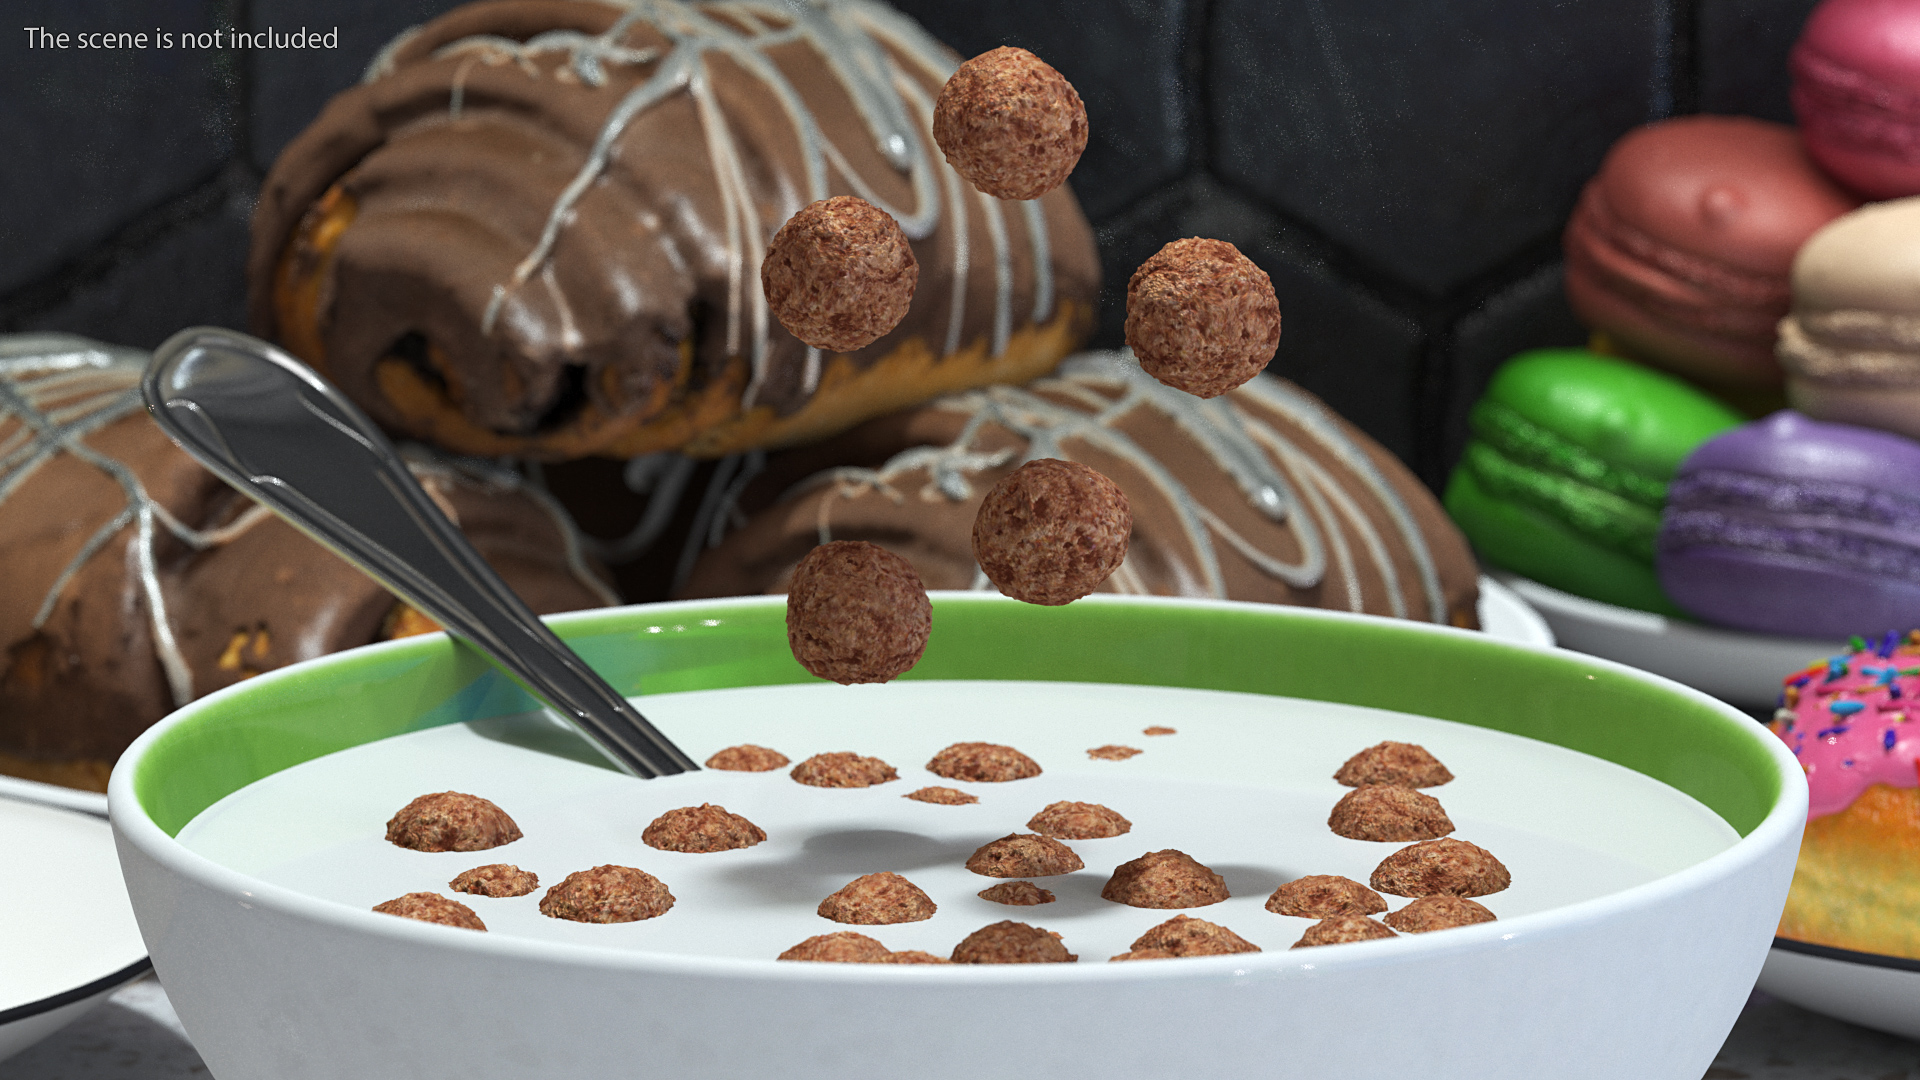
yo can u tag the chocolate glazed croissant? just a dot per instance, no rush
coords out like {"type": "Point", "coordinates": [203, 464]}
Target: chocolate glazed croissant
{"type": "Point", "coordinates": [1261, 494]}
{"type": "Point", "coordinates": [536, 229]}
{"type": "Point", "coordinates": [137, 581]}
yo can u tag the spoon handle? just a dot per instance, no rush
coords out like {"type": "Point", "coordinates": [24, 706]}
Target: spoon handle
{"type": "Point", "coordinates": [273, 428]}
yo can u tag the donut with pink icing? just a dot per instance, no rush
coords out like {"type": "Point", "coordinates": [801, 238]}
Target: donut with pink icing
{"type": "Point", "coordinates": [1851, 720]}
{"type": "Point", "coordinates": [1854, 721]}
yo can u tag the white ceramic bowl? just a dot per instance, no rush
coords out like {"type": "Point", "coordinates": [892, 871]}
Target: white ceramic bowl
{"type": "Point", "coordinates": [1643, 982]}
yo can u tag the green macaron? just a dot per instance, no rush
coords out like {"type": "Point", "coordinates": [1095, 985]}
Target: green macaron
{"type": "Point", "coordinates": [1567, 470]}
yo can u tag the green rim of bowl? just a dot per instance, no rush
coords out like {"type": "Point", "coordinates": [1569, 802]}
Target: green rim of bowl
{"type": "Point", "coordinates": [230, 739]}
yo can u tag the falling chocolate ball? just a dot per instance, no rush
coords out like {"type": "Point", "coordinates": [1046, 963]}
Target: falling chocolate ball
{"type": "Point", "coordinates": [857, 613]}
{"type": "Point", "coordinates": [1051, 531]}
{"type": "Point", "coordinates": [1010, 124]}
{"type": "Point", "coordinates": [1201, 317]}
{"type": "Point", "coordinates": [839, 274]}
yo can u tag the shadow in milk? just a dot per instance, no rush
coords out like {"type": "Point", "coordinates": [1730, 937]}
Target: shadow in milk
{"type": "Point", "coordinates": [828, 860]}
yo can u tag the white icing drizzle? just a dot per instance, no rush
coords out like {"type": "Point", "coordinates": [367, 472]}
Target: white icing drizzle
{"type": "Point", "coordinates": [1284, 398]}
{"type": "Point", "coordinates": [1002, 272]}
{"type": "Point", "coordinates": [1036, 219]}
{"type": "Point", "coordinates": [956, 188]}
{"type": "Point", "coordinates": [429, 465]}
{"type": "Point", "coordinates": [56, 389]}
{"type": "Point", "coordinates": [1278, 477]}
{"type": "Point", "coordinates": [849, 35]}
{"type": "Point", "coordinates": [97, 385]}
{"type": "Point", "coordinates": [381, 65]}
{"type": "Point", "coordinates": [663, 477]}
{"type": "Point", "coordinates": [719, 508]}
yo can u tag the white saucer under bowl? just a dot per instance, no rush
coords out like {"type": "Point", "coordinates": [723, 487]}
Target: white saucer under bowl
{"type": "Point", "coordinates": [1881, 992]}
{"type": "Point", "coordinates": [1506, 616]}
{"type": "Point", "coordinates": [1734, 666]}
{"type": "Point", "coordinates": [67, 933]}
{"type": "Point", "coordinates": [66, 798]}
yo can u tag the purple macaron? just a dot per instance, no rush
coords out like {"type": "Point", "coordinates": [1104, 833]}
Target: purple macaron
{"type": "Point", "coordinates": [1795, 526]}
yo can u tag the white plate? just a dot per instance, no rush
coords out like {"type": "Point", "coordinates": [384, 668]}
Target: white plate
{"type": "Point", "coordinates": [67, 932]}
{"type": "Point", "coordinates": [1506, 616]}
{"type": "Point", "coordinates": [1741, 668]}
{"type": "Point", "coordinates": [1881, 992]}
{"type": "Point", "coordinates": [66, 798]}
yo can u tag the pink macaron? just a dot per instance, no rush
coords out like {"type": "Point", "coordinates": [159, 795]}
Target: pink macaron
{"type": "Point", "coordinates": [1856, 92]}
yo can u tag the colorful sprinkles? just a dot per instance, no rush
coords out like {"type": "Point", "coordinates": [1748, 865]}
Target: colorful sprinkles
{"type": "Point", "coordinates": [1845, 718]}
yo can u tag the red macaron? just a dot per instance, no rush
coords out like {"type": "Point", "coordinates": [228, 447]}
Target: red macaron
{"type": "Point", "coordinates": [1681, 247]}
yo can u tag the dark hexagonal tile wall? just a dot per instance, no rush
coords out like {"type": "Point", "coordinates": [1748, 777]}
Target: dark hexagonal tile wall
{"type": "Point", "coordinates": [1357, 353]}
{"type": "Point", "coordinates": [290, 88]}
{"type": "Point", "coordinates": [1125, 57]}
{"type": "Point", "coordinates": [192, 275]}
{"type": "Point", "coordinates": [1531, 313]}
{"type": "Point", "coordinates": [1432, 139]}
{"type": "Point", "coordinates": [93, 138]}
{"type": "Point", "coordinates": [1740, 52]}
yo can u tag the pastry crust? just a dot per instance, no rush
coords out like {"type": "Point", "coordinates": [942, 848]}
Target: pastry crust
{"type": "Point", "coordinates": [1262, 494]}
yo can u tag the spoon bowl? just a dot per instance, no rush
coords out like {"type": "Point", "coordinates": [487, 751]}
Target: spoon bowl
{"type": "Point", "coordinates": [273, 428]}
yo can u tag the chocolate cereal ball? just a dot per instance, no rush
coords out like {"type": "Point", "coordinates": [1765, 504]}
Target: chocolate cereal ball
{"type": "Point", "coordinates": [1438, 912]}
{"type": "Point", "coordinates": [1441, 866]}
{"type": "Point", "coordinates": [451, 821]}
{"type": "Point", "coordinates": [942, 796]}
{"type": "Point", "coordinates": [1389, 812]}
{"type": "Point", "coordinates": [857, 613]}
{"type": "Point", "coordinates": [1022, 855]}
{"type": "Point", "coordinates": [986, 763]}
{"type": "Point", "coordinates": [1201, 317]}
{"type": "Point", "coordinates": [433, 908]}
{"type": "Point", "coordinates": [496, 880]}
{"type": "Point", "coordinates": [839, 274]}
{"type": "Point", "coordinates": [878, 899]}
{"type": "Point", "coordinates": [1165, 879]}
{"type": "Point", "coordinates": [1010, 124]}
{"type": "Point", "coordinates": [1051, 531]}
{"type": "Point", "coordinates": [1079, 821]}
{"type": "Point", "coordinates": [607, 894]}
{"type": "Point", "coordinates": [1182, 936]}
{"type": "Point", "coordinates": [1016, 894]}
{"type": "Point", "coordinates": [1322, 896]}
{"type": "Point", "coordinates": [701, 829]}
{"type": "Point", "coordinates": [843, 769]}
{"type": "Point", "coordinates": [1341, 929]}
{"type": "Point", "coordinates": [747, 758]}
{"type": "Point", "coordinates": [844, 947]}
{"type": "Point", "coordinates": [1406, 764]}
{"type": "Point", "coordinates": [1010, 942]}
